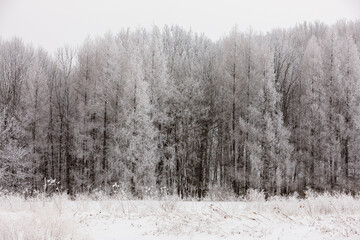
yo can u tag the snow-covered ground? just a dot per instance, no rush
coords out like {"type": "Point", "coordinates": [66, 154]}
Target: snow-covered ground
{"type": "Point", "coordinates": [320, 217]}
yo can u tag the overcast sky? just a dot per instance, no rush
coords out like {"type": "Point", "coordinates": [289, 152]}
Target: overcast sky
{"type": "Point", "coordinates": [52, 23]}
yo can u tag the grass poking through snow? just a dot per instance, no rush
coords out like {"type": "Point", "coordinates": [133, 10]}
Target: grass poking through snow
{"type": "Point", "coordinates": [323, 216]}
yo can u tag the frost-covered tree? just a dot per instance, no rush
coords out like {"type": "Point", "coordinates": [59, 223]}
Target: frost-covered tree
{"type": "Point", "coordinates": [349, 109]}
{"type": "Point", "coordinates": [159, 92]}
{"type": "Point", "coordinates": [170, 111]}
{"type": "Point", "coordinates": [314, 104]}
{"type": "Point", "coordinates": [276, 148]}
{"type": "Point", "coordinates": [15, 167]}
{"type": "Point", "coordinates": [140, 133]}
{"type": "Point", "coordinates": [230, 73]}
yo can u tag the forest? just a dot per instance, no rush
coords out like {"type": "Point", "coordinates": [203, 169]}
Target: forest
{"type": "Point", "coordinates": [167, 111]}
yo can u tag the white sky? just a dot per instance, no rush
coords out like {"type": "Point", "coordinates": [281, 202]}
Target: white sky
{"type": "Point", "coordinates": [52, 23]}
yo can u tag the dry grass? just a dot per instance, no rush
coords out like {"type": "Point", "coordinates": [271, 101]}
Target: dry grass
{"type": "Point", "coordinates": [35, 219]}
{"type": "Point", "coordinates": [60, 218]}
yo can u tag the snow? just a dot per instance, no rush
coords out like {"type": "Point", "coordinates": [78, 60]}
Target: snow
{"type": "Point", "coordinates": [321, 217]}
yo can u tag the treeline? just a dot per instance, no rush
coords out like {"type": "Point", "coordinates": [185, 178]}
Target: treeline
{"type": "Point", "coordinates": [169, 111]}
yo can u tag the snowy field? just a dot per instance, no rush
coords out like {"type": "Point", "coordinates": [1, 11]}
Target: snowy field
{"type": "Point", "coordinates": [316, 217]}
